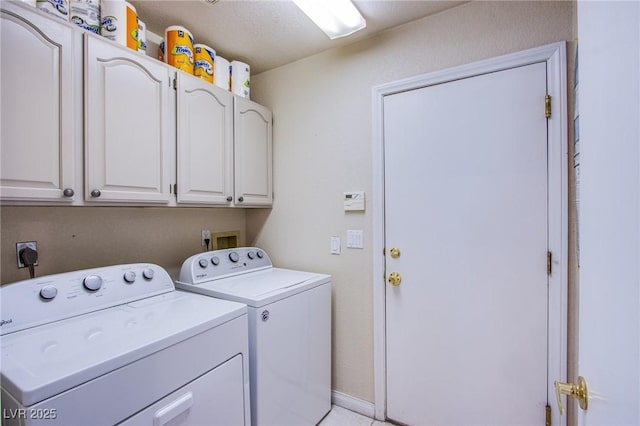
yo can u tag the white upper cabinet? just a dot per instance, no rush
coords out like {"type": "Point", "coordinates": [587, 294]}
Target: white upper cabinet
{"type": "Point", "coordinates": [205, 142]}
{"type": "Point", "coordinates": [150, 134]}
{"type": "Point", "coordinates": [41, 108]}
{"type": "Point", "coordinates": [253, 154]}
{"type": "Point", "coordinates": [129, 111]}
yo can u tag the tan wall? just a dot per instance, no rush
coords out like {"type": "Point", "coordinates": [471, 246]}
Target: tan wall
{"type": "Point", "coordinates": [322, 147]}
{"type": "Point", "coordinates": [71, 238]}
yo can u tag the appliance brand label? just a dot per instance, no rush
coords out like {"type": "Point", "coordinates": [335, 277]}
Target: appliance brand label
{"type": "Point", "coordinates": [5, 322]}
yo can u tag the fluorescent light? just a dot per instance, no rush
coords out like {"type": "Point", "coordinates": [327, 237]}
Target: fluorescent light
{"type": "Point", "coordinates": [337, 18]}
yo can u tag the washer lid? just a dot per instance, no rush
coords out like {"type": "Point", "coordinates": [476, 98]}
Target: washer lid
{"type": "Point", "coordinates": [259, 288]}
{"type": "Point", "coordinates": [43, 361]}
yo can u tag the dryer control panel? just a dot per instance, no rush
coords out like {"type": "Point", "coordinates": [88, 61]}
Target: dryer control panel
{"type": "Point", "coordinates": [50, 298]}
{"type": "Point", "coordinates": [217, 264]}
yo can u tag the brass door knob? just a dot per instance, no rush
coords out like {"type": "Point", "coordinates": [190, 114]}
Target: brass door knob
{"type": "Point", "coordinates": [395, 252]}
{"type": "Point", "coordinates": [395, 278]}
{"type": "Point", "coordinates": [578, 391]}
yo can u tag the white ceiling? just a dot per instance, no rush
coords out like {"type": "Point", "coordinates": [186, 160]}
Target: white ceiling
{"type": "Point", "coordinates": [268, 33]}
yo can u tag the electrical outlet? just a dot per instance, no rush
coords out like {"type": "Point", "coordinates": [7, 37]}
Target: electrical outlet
{"type": "Point", "coordinates": [19, 246]}
{"type": "Point", "coordinates": [206, 234]}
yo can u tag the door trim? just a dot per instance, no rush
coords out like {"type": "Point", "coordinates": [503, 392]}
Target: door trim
{"type": "Point", "coordinates": [555, 57]}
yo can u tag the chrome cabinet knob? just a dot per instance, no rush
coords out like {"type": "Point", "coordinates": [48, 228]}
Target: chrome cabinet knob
{"type": "Point", "coordinates": [229, 198]}
{"type": "Point", "coordinates": [240, 199]}
{"type": "Point", "coordinates": [95, 193]}
{"type": "Point", "coordinates": [68, 192]}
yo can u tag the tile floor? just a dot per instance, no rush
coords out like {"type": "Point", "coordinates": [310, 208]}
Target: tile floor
{"type": "Point", "coordinates": [339, 416]}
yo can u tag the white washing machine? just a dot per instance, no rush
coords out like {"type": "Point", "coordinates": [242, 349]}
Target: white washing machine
{"type": "Point", "coordinates": [118, 345]}
{"type": "Point", "coordinates": [289, 330]}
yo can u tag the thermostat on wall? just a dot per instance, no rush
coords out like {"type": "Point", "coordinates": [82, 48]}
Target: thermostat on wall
{"type": "Point", "coordinates": [354, 201]}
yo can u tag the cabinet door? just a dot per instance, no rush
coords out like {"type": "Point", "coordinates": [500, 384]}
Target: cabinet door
{"type": "Point", "coordinates": [128, 120]}
{"type": "Point", "coordinates": [253, 154]}
{"type": "Point", "coordinates": [41, 107]}
{"type": "Point", "coordinates": [205, 142]}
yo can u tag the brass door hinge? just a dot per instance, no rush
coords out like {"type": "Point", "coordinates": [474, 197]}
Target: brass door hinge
{"type": "Point", "coordinates": [549, 259]}
{"type": "Point", "coordinates": [547, 106]}
{"type": "Point", "coordinates": [548, 415]}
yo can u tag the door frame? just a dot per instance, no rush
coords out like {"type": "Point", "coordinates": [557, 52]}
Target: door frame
{"type": "Point", "coordinates": [557, 157]}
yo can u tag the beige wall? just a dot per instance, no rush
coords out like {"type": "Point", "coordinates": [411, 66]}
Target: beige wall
{"type": "Point", "coordinates": [322, 147]}
{"type": "Point", "coordinates": [71, 238]}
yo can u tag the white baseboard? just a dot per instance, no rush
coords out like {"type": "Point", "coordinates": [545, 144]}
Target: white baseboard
{"type": "Point", "coordinates": [354, 404]}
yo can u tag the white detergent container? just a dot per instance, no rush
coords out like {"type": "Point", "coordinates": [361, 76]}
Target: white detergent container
{"type": "Point", "coordinates": [289, 330]}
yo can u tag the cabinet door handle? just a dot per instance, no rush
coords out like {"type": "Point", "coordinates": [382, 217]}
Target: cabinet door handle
{"type": "Point", "coordinates": [241, 199]}
{"type": "Point", "coordinates": [95, 193]}
{"type": "Point", "coordinates": [68, 192]}
{"type": "Point", "coordinates": [229, 198]}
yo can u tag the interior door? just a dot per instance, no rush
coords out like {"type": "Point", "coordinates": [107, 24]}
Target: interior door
{"type": "Point", "coordinates": [609, 217]}
{"type": "Point", "coordinates": [466, 207]}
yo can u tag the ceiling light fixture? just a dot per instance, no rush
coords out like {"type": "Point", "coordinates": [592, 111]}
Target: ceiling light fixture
{"type": "Point", "coordinates": [337, 18]}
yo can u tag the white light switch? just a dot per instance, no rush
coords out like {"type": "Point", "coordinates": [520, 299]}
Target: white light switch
{"type": "Point", "coordinates": [335, 245]}
{"type": "Point", "coordinates": [355, 238]}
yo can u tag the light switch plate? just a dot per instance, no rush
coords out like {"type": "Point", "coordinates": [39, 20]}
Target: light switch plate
{"type": "Point", "coordinates": [335, 245]}
{"type": "Point", "coordinates": [355, 238]}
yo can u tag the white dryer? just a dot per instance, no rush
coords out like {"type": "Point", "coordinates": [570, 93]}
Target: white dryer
{"type": "Point", "coordinates": [108, 346]}
{"type": "Point", "coordinates": [289, 330]}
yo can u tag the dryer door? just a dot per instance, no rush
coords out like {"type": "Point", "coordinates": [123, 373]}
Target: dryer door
{"type": "Point", "coordinates": [216, 398]}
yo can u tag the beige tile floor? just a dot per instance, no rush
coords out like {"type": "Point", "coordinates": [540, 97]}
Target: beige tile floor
{"type": "Point", "coordinates": [339, 416]}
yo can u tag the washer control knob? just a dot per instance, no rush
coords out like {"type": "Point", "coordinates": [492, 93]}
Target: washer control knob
{"type": "Point", "coordinates": [260, 254]}
{"type": "Point", "coordinates": [251, 255]}
{"type": "Point", "coordinates": [148, 274]}
{"type": "Point", "coordinates": [129, 277]}
{"type": "Point", "coordinates": [92, 282]}
{"type": "Point", "coordinates": [233, 256]}
{"type": "Point", "coordinates": [48, 292]}
{"type": "Point", "coordinates": [215, 260]}
{"type": "Point", "coordinates": [203, 263]}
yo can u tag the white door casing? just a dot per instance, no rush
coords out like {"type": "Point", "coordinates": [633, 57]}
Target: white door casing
{"type": "Point", "coordinates": [553, 59]}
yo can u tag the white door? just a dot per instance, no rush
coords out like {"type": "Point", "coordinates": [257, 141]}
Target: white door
{"type": "Point", "coordinates": [466, 205]}
{"type": "Point", "coordinates": [609, 218]}
{"type": "Point", "coordinates": [205, 142]}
